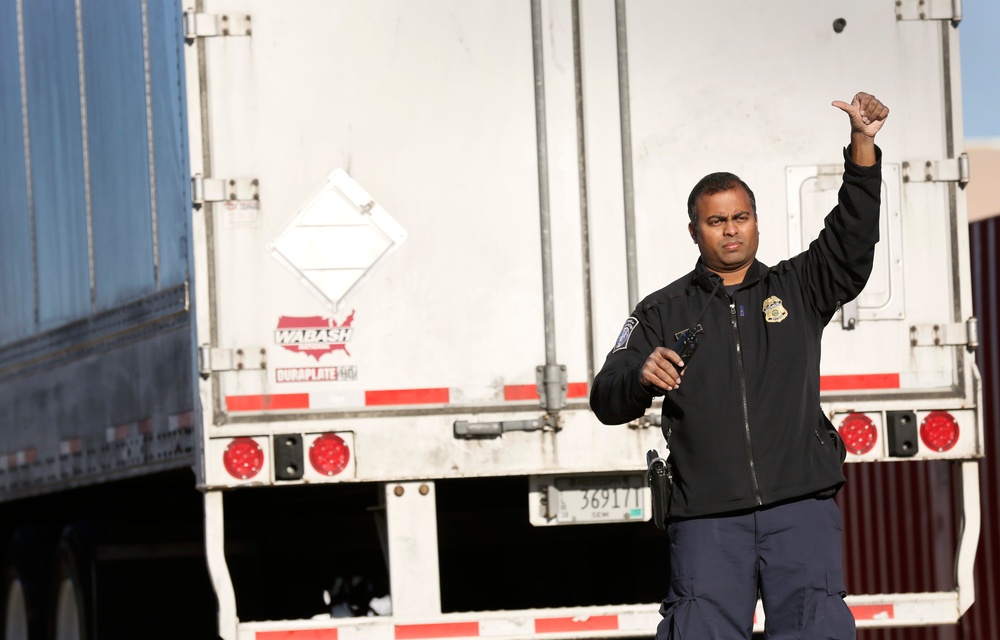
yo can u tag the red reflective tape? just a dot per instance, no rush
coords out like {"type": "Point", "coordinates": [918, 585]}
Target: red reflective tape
{"type": "Point", "coordinates": [145, 427]}
{"type": "Point", "coordinates": [561, 625]}
{"type": "Point", "coordinates": [520, 392]}
{"type": "Point", "coordinates": [299, 634]}
{"type": "Point", "coordinates": [577, 390]}
{"type": "Point", "coordinates": [123, 431]}
{"type": "Point", "coordinates": [530, 391]}
{"type": "Point", "coordinates": [268, 402]}
{"type": "Point", "coordinates": [407, 396]}
{"type": "Point", "coordinates": [873, 612]}
{"type": "Point", "coordinates": [859, 382]}
{"type": "Point", "coordinates": [442, 630]}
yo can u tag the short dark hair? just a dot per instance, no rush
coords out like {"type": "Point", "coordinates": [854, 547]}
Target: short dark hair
{"type": "Point", "coordinates": [716, 183]}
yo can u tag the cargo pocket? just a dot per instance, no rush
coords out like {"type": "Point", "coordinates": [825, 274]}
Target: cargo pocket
{"type": "Point", "coordinates": [836, 619]}
{"type": "Point", "coordinates": [677, 613]}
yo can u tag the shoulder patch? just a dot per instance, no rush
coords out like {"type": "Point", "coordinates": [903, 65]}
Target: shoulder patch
{"type": "Point", "coordinates": [626, 333]}
{"type": "Point", "coordinates": [774, 310]}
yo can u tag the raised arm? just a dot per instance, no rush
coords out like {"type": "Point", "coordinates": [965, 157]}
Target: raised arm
{"type": "Point", "coordinates": [838, 263]}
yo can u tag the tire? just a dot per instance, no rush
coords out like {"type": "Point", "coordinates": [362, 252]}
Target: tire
{"type": "Point", "coordinates": [24, 607]}
{"type": "Point", "coordinates": [72, 611]}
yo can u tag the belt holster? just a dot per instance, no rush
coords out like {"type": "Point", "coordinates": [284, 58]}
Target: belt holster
{"type": "Point", "coordinates": [660, 486]}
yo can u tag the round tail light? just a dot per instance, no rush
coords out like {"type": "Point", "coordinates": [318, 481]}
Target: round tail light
{"type": "Point", "coordinates": [859, 433]}
{"type": "Point", "coordinates": [329, 454]}
{"type": "Point", "coordinates": [243, 458]}
{"type": "Point", "coordinates": [939, 431]}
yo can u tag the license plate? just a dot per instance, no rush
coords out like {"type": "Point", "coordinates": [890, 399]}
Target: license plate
{"type": "Point", "coordinates": [622, 497]}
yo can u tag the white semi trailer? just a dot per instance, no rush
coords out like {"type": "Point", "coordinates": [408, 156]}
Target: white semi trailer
{"type": "Point", "coordinates": [314, 291]}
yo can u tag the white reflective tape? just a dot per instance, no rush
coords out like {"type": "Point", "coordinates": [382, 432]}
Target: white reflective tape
{"type": "Point", "coordinates": [340, 400]}
{"type": "Point", "coordinates": [925, 380]}
{"type": "Point", "coordinates": [506, 627]}
{"type": "Point", "coordinates": [476, 394]}
{"type": "Point", "coordinates": [69, 447]}
{"type": "Point", "coordinates": [120, 432]}
{"type": "Point", "coordinates": [180, 421]}
{"type": "Point", "coordinates": [22, 458]}
{"type": "Point", "coordinates": [645, 621]}
{"type": "Point", "coordinates": [367, 632]}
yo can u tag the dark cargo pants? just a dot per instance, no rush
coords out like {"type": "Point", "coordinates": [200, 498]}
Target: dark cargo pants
{"type": "Point", "coordinates": [791, 552]}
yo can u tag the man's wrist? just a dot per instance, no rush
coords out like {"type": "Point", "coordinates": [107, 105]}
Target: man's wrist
{"type": "Point", "coordinates": [862, 149]}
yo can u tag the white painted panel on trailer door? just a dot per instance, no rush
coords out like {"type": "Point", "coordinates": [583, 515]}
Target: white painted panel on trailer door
{"type": "Point", "coordinates": [737, 101]}
{"type": "Point", "coordinates": [812, 193]}
{"type": "Point", "coordinates": [430, 108]}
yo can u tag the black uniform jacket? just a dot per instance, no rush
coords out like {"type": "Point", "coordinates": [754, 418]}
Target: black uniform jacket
{"type": "Point", "coordinates": [745, 428]}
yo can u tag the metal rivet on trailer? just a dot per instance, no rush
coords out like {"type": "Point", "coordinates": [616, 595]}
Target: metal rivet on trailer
{"type": "Point", "coordinates": [424, 489]}
{"type": "Point", "coordinates": [839, 24]}
{"type": "Point", "coordinates": [398, 491]}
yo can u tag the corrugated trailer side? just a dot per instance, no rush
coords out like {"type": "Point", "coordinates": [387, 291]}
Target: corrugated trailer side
{"type": "Point", "coordinates": [900, 523]}
{"type": "Point", "coordinates": [95, 343]}
{"type": "Point", "coordinates": [97, 405]}
{"type": "Point", "coordinates": [983, 620]}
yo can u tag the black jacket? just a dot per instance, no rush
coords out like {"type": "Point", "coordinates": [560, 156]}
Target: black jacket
{"type": "Point", "coordinates": [745, 428]}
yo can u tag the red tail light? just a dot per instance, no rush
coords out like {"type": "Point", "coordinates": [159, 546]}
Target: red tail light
{"type": "Point", "coordinates": [329, 454]}
{"type": "Point", "coordinates": [939, 431]}
{"type": "Point", "coordinates": [859, 433]}
{"type": "Point", "coordinates": [243, 458]}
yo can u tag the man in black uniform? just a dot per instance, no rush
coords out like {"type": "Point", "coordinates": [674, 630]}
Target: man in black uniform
{"type": "Point", "coordinates": [755, 462]}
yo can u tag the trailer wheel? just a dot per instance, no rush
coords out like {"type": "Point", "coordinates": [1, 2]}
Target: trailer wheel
{"type": "Point", "coordinates": [73, 587]}
{"type": "Point", "coordinates": [25, 579]}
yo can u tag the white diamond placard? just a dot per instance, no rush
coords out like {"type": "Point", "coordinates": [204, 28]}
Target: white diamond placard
{"type": "Point", "coordinates": [336, 239]}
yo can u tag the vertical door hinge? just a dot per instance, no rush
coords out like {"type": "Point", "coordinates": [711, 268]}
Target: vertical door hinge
{"type": "Point", "coordinates": [208, 25]}
{"type": "Point", "coordinates": [929, 10]}
{"type": "Point", "coordinates": [552, 384]}
{"type": "Point", "coordinates": [962, 334]}
{"type": "Point", "coordinates": [219, 190]}
{"type": "Point", "coordinates": [212, 359]}
{"type": "Point", "coordinates": [946, 170]}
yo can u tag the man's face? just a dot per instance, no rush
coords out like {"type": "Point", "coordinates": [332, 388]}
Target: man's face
{"type": "Point", "coordinates": [726, 231]}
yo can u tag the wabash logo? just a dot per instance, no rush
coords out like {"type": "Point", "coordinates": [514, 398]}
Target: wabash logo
{"type": "Point", "coordinates": [314, 335]}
